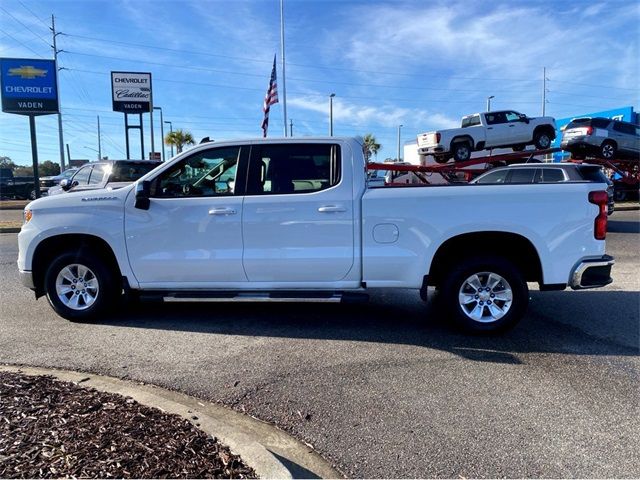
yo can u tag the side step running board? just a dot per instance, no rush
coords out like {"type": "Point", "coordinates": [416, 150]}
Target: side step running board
{"type": "Point", "coordinates": [250, 297]}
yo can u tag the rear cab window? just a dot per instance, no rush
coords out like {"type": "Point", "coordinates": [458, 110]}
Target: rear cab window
{"type": "Point", "coordinates": [471, 121]}
{"type": "Point", "coordinates": [130, 171]}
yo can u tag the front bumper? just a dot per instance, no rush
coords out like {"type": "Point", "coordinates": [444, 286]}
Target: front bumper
{"type": "Point", "coordinates": [592, 273]}
{"type": "Point", "coordinates": [26, 277]}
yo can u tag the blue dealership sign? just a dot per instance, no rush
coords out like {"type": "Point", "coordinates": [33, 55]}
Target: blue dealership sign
{"type": "Point", "coordinates": [29, 86]}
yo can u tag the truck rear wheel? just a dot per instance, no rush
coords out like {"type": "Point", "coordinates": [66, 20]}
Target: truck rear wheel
{"type": "Point", "coordinates": [485, 294]}
{"type": "Point", "coordinates": [542, 140]}
{"type": "Point", "coordinates": [79, 286]}
{"type": "Point", "coordinates": [461, 151]}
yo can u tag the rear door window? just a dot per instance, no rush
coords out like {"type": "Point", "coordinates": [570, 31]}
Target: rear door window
{"type": "Point", "coordinates": [293, 168]}
{"type": "Point", "coordinates": [624, 128]}
{"type": "Point", "coordinates": [97, 174]}
{"type": "Point", "coordinates": [522, 175]}
{"type": "Point", "coordinates": [550, 175]}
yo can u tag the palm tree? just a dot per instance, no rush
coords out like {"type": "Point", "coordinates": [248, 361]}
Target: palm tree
{"type": "Point", "coordinates": [179, 138]}
{"type": "Point", "coordinates": [370, 146]}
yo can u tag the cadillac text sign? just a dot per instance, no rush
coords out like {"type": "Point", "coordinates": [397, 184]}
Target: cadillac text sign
{"type": "Point", "coordinates": [131, 92]}
{"type": "Point", "coordinates": [29, 86]}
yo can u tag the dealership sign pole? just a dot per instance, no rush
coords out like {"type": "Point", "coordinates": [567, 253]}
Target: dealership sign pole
{"type": "Point", "coordinates": [131, 93]}
{"type": "Point", "coordinates": [29, 87]}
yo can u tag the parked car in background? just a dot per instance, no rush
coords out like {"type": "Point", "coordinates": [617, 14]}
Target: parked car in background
{"type": "Point", "coordinates": [527, 173]}
{"type": "Point", "coordinates": [482, 131]}
{"type": "Point", "coordinates": [52, 181]}
{"type": "Point", "coordinates": [601, 137]}
{"type": "Point", "coordinates": [105, 174]}
{"type": "Point", "coordinates": [16, 187]}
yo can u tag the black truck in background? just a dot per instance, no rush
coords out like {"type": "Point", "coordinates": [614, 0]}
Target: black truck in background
{"type": "Point", "coordinates": [16, 187]}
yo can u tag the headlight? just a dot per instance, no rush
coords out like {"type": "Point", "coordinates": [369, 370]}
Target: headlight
{"type": "Point", "coordinates": [27, 215]}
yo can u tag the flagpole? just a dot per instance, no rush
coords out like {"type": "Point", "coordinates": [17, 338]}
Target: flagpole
{"type": "Point", "coordinates": [284, 86]}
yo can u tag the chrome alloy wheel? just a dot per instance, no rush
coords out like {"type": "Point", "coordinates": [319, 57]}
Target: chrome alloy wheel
{"type": "Point", "coordinates": [77, 287]}
{"type": "Point", "coordinates": [485, 297]}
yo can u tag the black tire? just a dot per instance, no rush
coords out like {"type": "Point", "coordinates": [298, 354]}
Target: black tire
{"type": "Point", "coordinates": [608, 150]}
{"type": "Point", "coordinates": [441, 158]}
{"type": "Point", "coordinates": [461, 151]}
{"type": "Point", "coordinates": [32, 195]}
{"type": "Point", "coordinates": [542, 140]}
{"type": "Point", "coordinates": [518, 148]}
{"type": "Point", "coordinates": [456, 283]}
{"type": "Point", "coordinates": [105, 295]}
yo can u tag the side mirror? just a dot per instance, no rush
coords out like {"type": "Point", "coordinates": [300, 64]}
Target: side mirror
{"type": "Point", "coordinates": [143, 192]}
{"type": "Point", "coordinates": [524, 118]}
{"type": "Point", "coordinates": [65, 184]}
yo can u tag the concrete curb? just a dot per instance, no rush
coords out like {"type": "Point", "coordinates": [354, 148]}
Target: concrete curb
{"type": "Point", "coordinates": [269, 451]}
{"type": "Point", "coordinates": [10, 229]}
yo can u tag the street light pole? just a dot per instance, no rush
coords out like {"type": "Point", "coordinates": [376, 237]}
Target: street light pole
{"type": "Point", "coordinates": [399, 128]}
{"type": "Point", "coordinates": [161, 132]}
{"type": "Point", "coordinates": [331, 114]}
{"type": "Point", "coordinates": [489, 102]}
{"type": "Point", "coordinates": [170, 131]}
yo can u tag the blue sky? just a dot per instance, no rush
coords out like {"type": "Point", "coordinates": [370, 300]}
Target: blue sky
{"type": "Point", "coordinates": [421, 64]}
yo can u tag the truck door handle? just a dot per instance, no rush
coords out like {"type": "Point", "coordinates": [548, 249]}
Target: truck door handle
{"type": "Point", "coordinates": [331, 208]}
{"type": "Point", "coordinates": [222, 211]}
{"type": "Point", "coordinates": [511, 126]}
{"type": "Point", "coordinates": [489, 128]}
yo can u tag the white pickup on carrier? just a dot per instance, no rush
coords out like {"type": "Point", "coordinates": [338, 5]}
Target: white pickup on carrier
{"type": "Point", "coordinates": [291, 219]}
{"type": "Point", "coordinates": [482, 131]}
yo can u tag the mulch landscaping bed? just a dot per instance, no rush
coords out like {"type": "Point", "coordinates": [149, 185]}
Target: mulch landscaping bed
{"type": "Point", "coordinates": [50, 428]}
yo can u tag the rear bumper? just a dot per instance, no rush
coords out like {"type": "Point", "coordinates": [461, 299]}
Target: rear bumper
{"type": "Point", "coordinates": [592, 273]}
{"type": "Point", "coordinates": [431, 150]}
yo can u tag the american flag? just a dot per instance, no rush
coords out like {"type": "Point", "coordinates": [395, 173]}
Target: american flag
{"type": "Point", "coordinates": [270, 98]}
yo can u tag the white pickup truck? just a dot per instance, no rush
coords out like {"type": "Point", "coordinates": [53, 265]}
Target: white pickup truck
{"type": "Point", "coordinates": [295, 219]}
{"type": "Point", "coordinates": [482, 131]}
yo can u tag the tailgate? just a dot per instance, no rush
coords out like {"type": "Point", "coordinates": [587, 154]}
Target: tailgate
{"type": "Point", "coordinates": [428, 139]}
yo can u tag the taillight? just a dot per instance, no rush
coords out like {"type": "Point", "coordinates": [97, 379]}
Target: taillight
{"type": "Point", "coordinates": [600, 198]}
{"type": "Point", "coordinates": [588, 130]}
{"type": "Point", "coordinates": [437, 137]}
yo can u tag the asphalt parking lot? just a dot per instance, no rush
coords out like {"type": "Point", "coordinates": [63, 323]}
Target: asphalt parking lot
{"type": "Point", "coordinates": [385, 389]}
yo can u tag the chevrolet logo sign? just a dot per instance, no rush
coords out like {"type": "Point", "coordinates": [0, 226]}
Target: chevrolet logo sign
{"type": "Point", "coordinates": [27, 71]}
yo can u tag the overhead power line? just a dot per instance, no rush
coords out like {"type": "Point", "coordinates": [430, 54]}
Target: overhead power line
{"type": "Point", "coordinates": [27, 27]}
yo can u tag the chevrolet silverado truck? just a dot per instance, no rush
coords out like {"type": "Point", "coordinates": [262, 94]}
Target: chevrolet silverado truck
{"type": "Point", "coordinates": [483, 131]}
{"type": "Point", "coordinates": [295, 219]}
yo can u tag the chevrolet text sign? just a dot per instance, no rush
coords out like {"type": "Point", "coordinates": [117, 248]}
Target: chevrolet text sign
{"type": "Point", "coordinates": [29, 86]}
{"type": "Point", "coordinates": [131, 92]}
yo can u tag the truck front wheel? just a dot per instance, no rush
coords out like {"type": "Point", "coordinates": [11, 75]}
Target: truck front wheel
{"type": "Point", "coordinates": [79, 286]}
{"type": "Point", "coordinates": [485, 294]}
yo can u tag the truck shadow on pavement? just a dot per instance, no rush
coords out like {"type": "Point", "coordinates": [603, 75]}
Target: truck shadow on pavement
{"type": "Point", "coordinates": [623, 226]}
{"type": "Point", "coordinates": [574, 323]}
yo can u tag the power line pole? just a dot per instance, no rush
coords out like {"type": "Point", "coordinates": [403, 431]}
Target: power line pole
{"type": "Point", "coordinates": [55, 60]}
{"type": "Point", "coordinates": [99, 141]}
{"type": "Point", "coordinates": [284, 83]}
{"type": "Point", "coordinates": [544, 90]}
